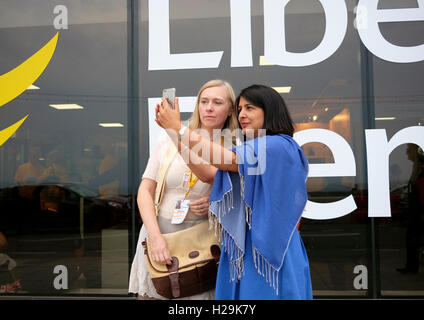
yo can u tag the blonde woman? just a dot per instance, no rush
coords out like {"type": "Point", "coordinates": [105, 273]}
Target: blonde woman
{"type": "Point", "coordinates": [214, 111]}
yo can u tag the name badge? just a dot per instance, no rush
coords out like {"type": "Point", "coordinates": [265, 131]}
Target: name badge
{"type": "Point", "coordinates": [180, 211]}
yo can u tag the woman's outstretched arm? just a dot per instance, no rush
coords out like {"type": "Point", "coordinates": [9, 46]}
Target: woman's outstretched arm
{"type": "Point", "coordinates": [211, 152]}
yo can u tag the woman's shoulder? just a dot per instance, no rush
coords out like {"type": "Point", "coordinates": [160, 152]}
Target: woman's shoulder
{"type": "Point", "coordinates": [160, 148]}
{"type": "Point", "coordinates": [271, 142]}
{"type": "Point", "coordinates": [281, 141]}
{"type": "Point", "coordinates": [162, 142]}
{"type": "Point", "coordinates": [282, 146]}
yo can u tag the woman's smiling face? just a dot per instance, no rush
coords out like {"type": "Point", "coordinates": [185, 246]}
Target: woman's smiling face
{"type": "Point", "coordinates": [251, 117]}
{"type": "Point", "coordinates": [214, 107]}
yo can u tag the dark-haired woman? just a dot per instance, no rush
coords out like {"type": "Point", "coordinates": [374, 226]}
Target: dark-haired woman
{"type": "Point", "coordinates": [257, 199]}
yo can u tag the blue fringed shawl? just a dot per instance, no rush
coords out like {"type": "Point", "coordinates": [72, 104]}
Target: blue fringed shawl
{"type": "Point", "coordinates": [269, 194]}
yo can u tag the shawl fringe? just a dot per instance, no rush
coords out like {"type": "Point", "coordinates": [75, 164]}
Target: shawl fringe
{"type": "Point", "coordinates": [265, 269]}
{"type": "Point", "coordinates": [247, 208]}
{"type": "Point", "coordinates": [233, 251]}
{"type": "Point", "coordinates": [235, 254]}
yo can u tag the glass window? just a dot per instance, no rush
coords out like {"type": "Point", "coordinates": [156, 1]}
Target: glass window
{"type": "Point", "coordinates": [68, 127]}
{"type": "Point", "coordinates": [325, 95]}
{"type": "Point", "coordinates": [64, 173]}
{"type": "Point", "coordinates": [398, 105]}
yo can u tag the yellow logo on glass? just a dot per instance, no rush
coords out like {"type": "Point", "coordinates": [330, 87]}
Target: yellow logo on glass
{"type": "Point", "coordinates": [16, 81]}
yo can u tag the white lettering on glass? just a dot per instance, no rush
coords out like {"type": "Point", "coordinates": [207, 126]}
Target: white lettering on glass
{"type": "Point", "coordinates": [186, 105]}
{"type": "Point", "coordinates": [367, 20]}
{"type": "Point", "coordinates": [160, 57]}
{"type": "Point", "coordinates": [344, 165]}
{"type": "Point", "coordinates": [241, 34]}
{"type": "Point", "coordinates": [275, 40]}
{"type": "Point", "coordinates": [373, 39]}
{"type": "Point", "coordinates": [378, 151]}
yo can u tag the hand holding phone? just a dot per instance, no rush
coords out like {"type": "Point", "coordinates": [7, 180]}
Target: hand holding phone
{"type": "Point", "coordinates": [169, 95]}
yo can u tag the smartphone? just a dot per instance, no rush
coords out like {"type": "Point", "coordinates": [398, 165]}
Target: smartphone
{"type": "Point", "coordinates": [169, 94]}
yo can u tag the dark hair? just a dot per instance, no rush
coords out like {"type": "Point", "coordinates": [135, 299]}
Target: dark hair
{"type": "Point", "coordinates": [277, 118]}
{"type": "Point", "coordinates": [419, 152]}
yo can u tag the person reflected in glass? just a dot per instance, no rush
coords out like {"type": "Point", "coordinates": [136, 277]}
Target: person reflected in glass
{"type": "Point", "coordinates": [415, 218]}
{"type": "Point", "coordinates": [257, 199]}
{"type": "Point", "coordinates": [9, 281]}
{"type": "Point", "coordinates": [55, 171]}
{"type": "Point", "coordinates": [109, 187]}
{"type": "Point", "coordinates": [214, 111]}
{"type": "Point", "coordinates": [51, 196]}
{"type": "Point", "coordinates": [28, 174]}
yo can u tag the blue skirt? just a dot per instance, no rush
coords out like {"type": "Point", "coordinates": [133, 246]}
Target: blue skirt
{"type": "Point", "coordinates": [294, 279]}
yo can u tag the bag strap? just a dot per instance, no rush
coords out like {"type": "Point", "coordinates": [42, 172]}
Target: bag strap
{"type": "Point", "coordinates": [170, 154]}
{"type": "Point", "coordinates": [174, 277]}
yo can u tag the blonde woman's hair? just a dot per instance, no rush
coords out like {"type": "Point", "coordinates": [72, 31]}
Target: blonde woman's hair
{"type": "Point", "coordinates": [231, 123]}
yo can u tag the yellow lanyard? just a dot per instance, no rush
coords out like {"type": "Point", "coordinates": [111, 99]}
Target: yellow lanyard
{"type": "Point", "coordinates": [193, 179]}
{"type": "Point", "coordinates": [191, 182]}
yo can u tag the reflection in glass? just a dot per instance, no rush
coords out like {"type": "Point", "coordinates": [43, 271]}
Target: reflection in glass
{"type": "Point", "coordinates": [399, 104]}
{"type": "Point", "coordinates": [64, 204]}
{"type": "Point", "coordinates": [415, 211]}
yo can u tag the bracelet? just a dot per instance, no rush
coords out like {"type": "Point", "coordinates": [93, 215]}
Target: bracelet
{"type": "Point", "coordinates": [183, 148]}
{"type": "Point", "coordinates": [181, 132]}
